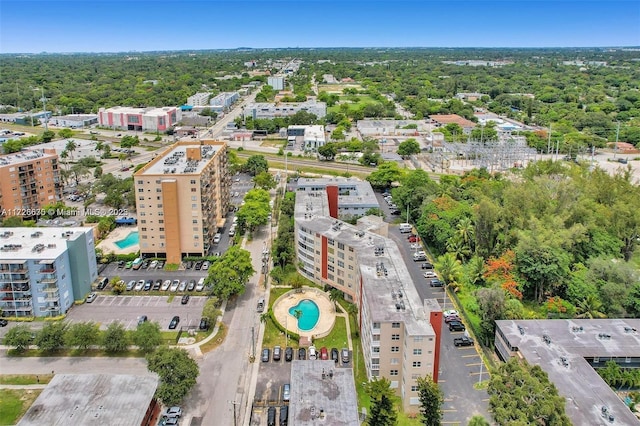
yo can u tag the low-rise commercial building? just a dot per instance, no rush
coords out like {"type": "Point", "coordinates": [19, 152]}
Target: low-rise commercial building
{"type": "Point", "coordinates": [139, 119]}
{"type": "Point", "coordinates": [74, 121]}
{"type": "Point", "coordinates": [95, 399]}
{"type": "Point", "coordinates": [313, 136]}
{"type": "Point", "coordinates": [442, 120]}
{"type": "Point", "coordinates": [400, 332]}
{"type": "Point", "coordinates": [374, 128]}
{"type": "Point", "coordinates": [182, 198]}
{"type": "Point", "coordinates": [271, 110]}
{"type": "Point", "coordinates": [29, 180]}
{"type": "Point", "coordinates": [276, 82]}
{"type": "Point", "coordinates": [44, 270]}
{"type": "Point", "coordinates": [568, 350]}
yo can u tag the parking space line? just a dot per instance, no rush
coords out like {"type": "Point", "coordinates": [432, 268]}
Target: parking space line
{"type": "Point", "coordinates": [469, 356]}
{"type": "Point", "coordinates": [478, 373]}
{"type": "Point", "coordinates": [449, 411]}
{"type": "Point", "coordinates": [485, 399]}
{"type": "Point", "coordinates": [462, 348]}
{"type": "Point", "coordinates": [448, 399]}
{"type": "Point", "coordinates": [473, 364]}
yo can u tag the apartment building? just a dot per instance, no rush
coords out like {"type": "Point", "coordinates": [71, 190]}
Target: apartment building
{"type": "Point", "coordinates": [43, 270]}
{"type": "Point", "coordinates": [355, 196]}
{"type": "Point", "coordinates": [400, 332]}
{"type": "Point", "coordinates": [139, 119]}
{"type": "Point", "coordinates": [272, 110]}
{"type": "Point", "coordinates": [29, 180]}
{"type": "Point", "coordinates": [223, 101]}
{"type": "Point", "coordinates": [182, 198]}
{"type": "Point", "coordinates": [199, 99]}
{"type": "Point", "coordinates": [276, 82]}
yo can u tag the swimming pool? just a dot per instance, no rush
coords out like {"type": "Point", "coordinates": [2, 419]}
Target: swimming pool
{"type": "Point", "coordinates": [128, 241]}
{"type": "Point", "coordinates": [310, 314]}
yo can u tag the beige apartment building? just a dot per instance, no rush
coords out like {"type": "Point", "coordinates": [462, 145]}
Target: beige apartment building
{"type": "Point", "coordinates": [29, 180]}
{"type": "Point", "coordinates": [182, 198]}
{"type": "Point", "coordinates": [400, 332]}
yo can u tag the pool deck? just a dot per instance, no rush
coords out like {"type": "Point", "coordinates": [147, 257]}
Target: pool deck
{"type": "Point", "coordinates": [327, 312]}
{"type": "Point", "coordinates": [108, 245]}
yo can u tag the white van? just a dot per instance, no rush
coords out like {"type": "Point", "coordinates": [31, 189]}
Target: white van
{"type": "Point", "coordinates": [405, 228]}
{"type": "Point", "coordinates": [261, 305]}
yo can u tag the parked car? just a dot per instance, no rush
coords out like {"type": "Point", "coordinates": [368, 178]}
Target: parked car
{"type": "Point", "coordinates": [185, 299]}
{"type": "Point", "coordinates": [277, 353]}
{"type": "Point", "coordinates": [192, 285]}
{"type": "Point", "coordinates": [153, 264]}
{"type": "Point", "coordinates": [139, 286]}
{"type": "Point", "coordinates": [335, 355]}
{"type": "Point", "coordinates": [165, 285]}
{"type": "Point", "coordinates": [426, 265]}
{"type": "Point", "coordinates": [302, 353]}
{"type": "Point", "coordinates": [266, 355]}
{"type": "Point", "coordinates": [91, 297]}
{"type": "Point", "coordinates": [286, 392]}
{"type": "Point", "coordinates": [414, 239]}
{"type": "Point", "coordinates": [147, 285]}
{"type": "Point", "coordinates": [160, 264]}
{"type": "Point", "coordinates": [128, 265]}
{"type": "Point", "coordinates": [216, 238]}
{"type": "Point", "coordinates": [204, 324]}
{"type": "Point", "coordinates": [142, 319]}
{"type": "Point", "coordinates": [396, 212]}
{"type": "Point", "coordinates": [121, 264]}
{"type": "Point", "coordinates": [205, 265]}
{"type": "Point", "coordinates": [288, 354]}
{"type": "Point", "coordinates": [173, 412]}
{"type": "Point", "coordinates": [430, 274]}
{"type": "Point", "coordinates": [284, 415]}
{"type": "Point", "coordinates": [456, 326]}
{"type": "Point", "coordinates": [435, 283]}
{"type": "Point", "coordinates": [174, 285]}
{"type": "Point", "coordinates": [157, 285]}
{"type": "Point", "coordinates": [450, 312]}
{"type": "Point", "coordinates": [313, 355]}
{"type": "Point", "coordinates": [452, 318]}
{"type": "Point", "coordinates": [271, 416]}
{"type": "Point", "coordinates": [130, 285]}
{"type": "Point", "coordinates": [3, 322]}
{"type": "Point", "coordinates": [324, 354]}
{"type": "Point", "coordinates": [174, 322]}
{"type": "Point", "coordinates": [198, 265]}
{"type": "Point", "coordinates": [463, 341]}
{"type": "Point", "coordinates": [345, 355]}
{"type": "Point", "coordinates": [200, 285]}
{"type": "Point", "coordinates": [188, 265]}
{"type": "Point", "coordinates": [182, 286]}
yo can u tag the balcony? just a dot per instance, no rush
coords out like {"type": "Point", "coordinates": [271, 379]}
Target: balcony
{"type": "Point", "coordinates": [49, 269]}
{"type": "Point", "coordinates": [49, 280]}
{"type": "Point", "coordinates": [52, 298]}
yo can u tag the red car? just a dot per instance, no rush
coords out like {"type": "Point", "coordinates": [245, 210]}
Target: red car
{"type": "Point", "coordinates": [324, 355]}
{"type": "Point", "coordinates": [414, 239]}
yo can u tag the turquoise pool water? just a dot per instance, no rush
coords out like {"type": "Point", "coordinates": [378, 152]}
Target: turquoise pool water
{"type": "Point", "coordinates": [310, 314]}
{"type": "Point", "coordinates": [128, 241]}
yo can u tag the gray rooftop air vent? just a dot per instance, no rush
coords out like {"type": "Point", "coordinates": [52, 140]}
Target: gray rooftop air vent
{"type": "Point", "coordinates": [604, 336]}
{"type": "Point", "coordinates": [521, 329]}
{"type": "Point", "coordinates": [398, 306]}
{"type": "Point", "coordinates": [546, 339]}
{"type": "Point", "coordinates": [564, 361]}
{"type": "Point", "coordinates": [577, 329]}
{"type": "Point", "coordinates": [629, 330]}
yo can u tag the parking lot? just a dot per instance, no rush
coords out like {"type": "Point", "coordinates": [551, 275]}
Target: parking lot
{"type": "Point", "coordinates": [460, 367]}
{"type": "Point", "coordinates": [127, 309]}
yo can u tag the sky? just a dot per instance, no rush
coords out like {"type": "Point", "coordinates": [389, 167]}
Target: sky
{"type": "Point", "coordinates": [53, 26]}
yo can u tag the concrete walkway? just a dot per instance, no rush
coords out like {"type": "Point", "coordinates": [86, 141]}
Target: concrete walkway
{"type": "Point", "coordinates": [22, 387]}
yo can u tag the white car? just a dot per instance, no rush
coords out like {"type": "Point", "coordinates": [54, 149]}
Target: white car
{"type": "Point", "coordinates": [174, 285]}
{"type": "Point", "coordinates": [216, 238]}
{"type": "Point", "coordinates": [139, 286]}
{"type": "Point", "coordinates": [153, 264]}
{"type": "Point", "coordinates": [430, 274]}
{"type": "Point", "coordinates": [205, 265]}
{"type": "Point", "coordinates": [165, 285]}
{"type": "Point", "coordinates": [450, 313]}
{"type": "Point", "coordinates": [131, 285]}
{"type": "Point", "coordinates": [200, 285]}
{"type": "Point", "coordinates": [415, 246]}
{"type": "Point", "coordinates": [182, 286]}
{"type": "Point", "coordinates": [91, 297]}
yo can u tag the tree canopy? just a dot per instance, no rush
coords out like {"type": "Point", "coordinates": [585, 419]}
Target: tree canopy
{"type": "Point", "coordinates": [230, 273]}
{"type": "Point", "coordinates": [177, 372]}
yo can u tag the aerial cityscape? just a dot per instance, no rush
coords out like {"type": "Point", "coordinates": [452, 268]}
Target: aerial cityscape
{"type": "Point", "coordinates": [319, 213]}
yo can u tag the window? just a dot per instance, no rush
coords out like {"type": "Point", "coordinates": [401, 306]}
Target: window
{"type": "Point", "coordinates": [330, 268]}
{"type": "Point", "coordinates": [395, 337]}
{"type": "Point", "coordinates": [376, 337]}
{"type": "Point", "coordinates": [193, 181]}
{"type": "Point", "coordinates": [143, 221]}
{"type": "Point", "coordinates": [331, 241]}
{"type": "Point", "coordinates": [395, 348]}
{"type": "Point", "coordinates": [161, 229]}
{"type": "Point", "coordinates": [376, 349]}
{"type": "Point", "coordinates": [194, 221]}
{"type": "Point", "coordinates": [417, 339]}
{"type": "Point", "coordinates": [340, 263]}
{"type": "Point", "coordinates": [395, 361]}
{"type": "Point", "coordinates": [395, 325]}
{"type": "Point", "coordinates": [140, 189]}
{"type": "Point", "coordinates": [375, 361]}
{"type": "Point", "coordinates": [340, 281]}
{"type": "Point", "coordinates": [159, 206]}
{"type": "Point", "coordinates": [341, 246]}
{"type": "Point", "coordinates": [351, 250]}
{"type": "Point", "coordinates": [376, 325]}
{"type": "Point", "coordinates": [414, 388]}
{"type": "Point", "coordinates": [340, 255]}
{"type": "Point", "coordinates": [393, 372]}
{"type": "Point", "coordinates": [417, 351]}
{"type": "Point", "coordinates": [417, 364]}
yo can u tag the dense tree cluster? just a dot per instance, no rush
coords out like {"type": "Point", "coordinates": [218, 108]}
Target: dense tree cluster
{"type": "Point", "coordinates": [523, 395]}
{"type": "Point", "coordinates": [228, 275]}
{"type": "Point", "coordinates": [177, 372]}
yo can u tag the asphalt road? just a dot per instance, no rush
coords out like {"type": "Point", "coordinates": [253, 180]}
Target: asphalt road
{"type": "Point", "coordinates": [459, 367]}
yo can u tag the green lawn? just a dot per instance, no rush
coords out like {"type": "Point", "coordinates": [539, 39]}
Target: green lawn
{"type": "Point", "coordinates": [25, 379]}
{"type": "Point", "coordinates": [14, 403]}
{"type": "Point", "coordinates": [337, 338]}
{"type": "Point", "coordinates": [363, 100]}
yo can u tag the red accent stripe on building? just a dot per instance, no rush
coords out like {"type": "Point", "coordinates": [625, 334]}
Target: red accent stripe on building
{"type": "Point", "coordinates": [323, 267]}
{"type": "Point", "coordinates": [332, 196]}
{"type": "Point", "coordinates": [435, 318]}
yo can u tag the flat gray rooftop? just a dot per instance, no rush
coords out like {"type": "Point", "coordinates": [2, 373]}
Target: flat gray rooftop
{"type": "Point", "coordinates": [92, 399]}
{"type": "Point", "coordinates": [351, 192]}
{"type": "Point", "coordinates": [576, 339]}
{"type": "Point", "coordinates": [174, 161]}
{"type": "Point", "coordinates": [313, 396]}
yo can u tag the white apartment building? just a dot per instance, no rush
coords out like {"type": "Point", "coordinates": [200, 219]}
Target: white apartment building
{"type": "Point", "coordinates": [44, 270]}
{"type": "Point", "coordinates": [199, 99]}
{"type": "Point", "coordinates": [272, 110]}
{"type": "Point", "coordinates": [223, 101]}
{"type": "Point", "coordinates": [400, 332]}
{"type": "Point", "coordinates": [276, 82]}
{"type": "Point", "coordinates": [355, 196]}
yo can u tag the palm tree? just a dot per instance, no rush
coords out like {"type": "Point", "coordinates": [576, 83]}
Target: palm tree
{"type": "Point", "coordinates": [334, 296]}
{"type": "Point", "coordinates": [465, 231]}
{"type": "Point", "coordinates": [264, 317]}
{"type": "Point", "coordinates": [70, 147]}
{"type": "Point", "coordinates": [449, 266]}
{"type": "Point", "coordinates": [590, 307]}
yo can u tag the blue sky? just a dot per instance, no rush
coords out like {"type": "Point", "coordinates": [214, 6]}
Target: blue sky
{"type": "Point", "coordinates": [141, 25]}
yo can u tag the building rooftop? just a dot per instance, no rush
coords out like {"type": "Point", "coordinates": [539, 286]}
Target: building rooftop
{"type": "Point", "coordinates": [76, 117]}
{"type": "Point", "coordinates": [146, 111]}
{"type": "Point", "coordinates": [92, 399]}
{"type": "Point", "coordinates": [329, 400]}
{"type": "Point", "coordinates": [390, 123]}
{"type": "Point", "coordinates": [24, 156]}
{"type": "Point", "coordinates": [388, 286]}
{"type": "Point", "coordinates": [574, 340]}
{"type": "Point", "coordinates": [351, 192]}
{"type": "Point", "coordinates": [30, 243]}
{"type": "Point", "coordinates": [174, 160]}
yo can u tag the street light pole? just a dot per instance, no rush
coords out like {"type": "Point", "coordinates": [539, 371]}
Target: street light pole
{"type": "Point", "coordinates": [235, 418]}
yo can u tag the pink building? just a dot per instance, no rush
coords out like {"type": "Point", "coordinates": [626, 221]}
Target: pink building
{"type": "Point", "coordinates": [142, 119]}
